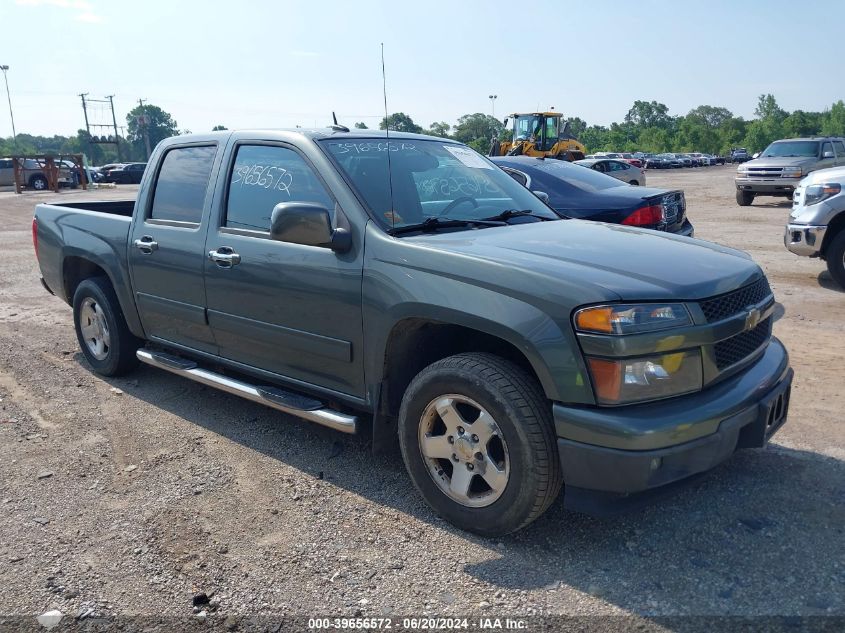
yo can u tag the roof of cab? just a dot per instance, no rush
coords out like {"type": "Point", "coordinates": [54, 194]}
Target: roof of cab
{"type": "Point", "coordinates": [310, 133]}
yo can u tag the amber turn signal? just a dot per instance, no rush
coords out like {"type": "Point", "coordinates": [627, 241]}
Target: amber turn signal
{"type": "Point", "coordinates": [595, 319]}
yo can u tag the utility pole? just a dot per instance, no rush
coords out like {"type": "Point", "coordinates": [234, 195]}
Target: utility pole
{"type": "Point", "coordinates": [146, 127]}
{"type": "Point", "coordinates": [5, 69]}
{"type": "Point", "coordinates": [493, 105]}
{"type": "Point", "coordinates": [87, 126]}
{"type": "Point", "coordinates": [114, 121]}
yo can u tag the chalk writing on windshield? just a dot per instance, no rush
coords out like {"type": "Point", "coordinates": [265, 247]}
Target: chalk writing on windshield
{"type": "Point", "coordinates": [366, 147]}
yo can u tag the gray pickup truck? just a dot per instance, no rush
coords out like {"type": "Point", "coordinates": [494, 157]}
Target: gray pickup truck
{"type": "Point", "coordinates": [406, 286]}
{"type": "Point", "coordinates": [781, 166]}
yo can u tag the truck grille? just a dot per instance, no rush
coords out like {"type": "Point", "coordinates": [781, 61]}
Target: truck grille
{"type": "Point", "coordinates": [731, 303]}
{"type": "Point", "coordinates": [765, 172]}
{"type": "Point", "coordinates": [738, 347]}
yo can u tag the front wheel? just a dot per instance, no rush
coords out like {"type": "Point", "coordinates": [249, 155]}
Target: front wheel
{"type": "Point", "coordinates": [104, 337]}
{"type": "Point", "coordinates": [835, 256]}
{"type": "Point", "coordinates": [478, 441]}
{"type": "Point", "coordinates": [744, 198]}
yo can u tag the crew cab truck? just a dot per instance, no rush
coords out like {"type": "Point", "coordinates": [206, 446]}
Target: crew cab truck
{"type": "Point", "coordinates": [406, 286]}
{"type": "Point", "coordinates": [816, 226]}
{"type": "Point", "coordinates": [781, 166]}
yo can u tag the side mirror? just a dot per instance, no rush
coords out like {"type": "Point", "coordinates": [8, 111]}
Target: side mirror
{"type": "Point", "coordinates": [542, 195]}
{"type": "Point", "coordinates": [309, 224]}
{"type": "Point", "coordinates": [827, 155]}
{"type": "Point", "coordinates": [505, 121]}
{"type": "Point", "coordinates": [755, 155]}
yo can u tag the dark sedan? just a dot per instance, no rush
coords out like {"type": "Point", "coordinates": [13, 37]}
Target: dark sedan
{"type": "Point", "coordinates": [128, 174]}
{"type": "Point", "coordinates": [578, 192]}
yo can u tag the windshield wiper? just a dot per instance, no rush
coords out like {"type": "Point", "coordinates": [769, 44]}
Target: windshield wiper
{"type": "Point", "coordinates": [429, 225]}
{"type": "Point", "coordinates": [513, 213]}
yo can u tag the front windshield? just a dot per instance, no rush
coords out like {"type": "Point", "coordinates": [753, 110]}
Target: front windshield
{"type": "Point", "coordinates": [803, 149]}
{"type": "Point", "coordinates": [527, 127]}
{"type": "Point", "coordinates": [430, 179]}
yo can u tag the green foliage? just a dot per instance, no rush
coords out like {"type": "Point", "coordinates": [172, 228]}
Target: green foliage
{"type": "Point", "coordinates": [833, 121]}
{"type": "Point", "coordinates": [360, 125]}
{"type": "Point", "coordinates": [161, 126]}
{"type": "Point", "coordinates": [477, 130]}
{"type": "Point", "coordinates": [219, 128]}
{"type": "Point", "coordinates": [439, 128]}
{"type": "Point", "coordinates": [399, 122]}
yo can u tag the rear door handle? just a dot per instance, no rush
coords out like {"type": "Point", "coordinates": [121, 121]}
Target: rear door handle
{"type": "Point", "coordinates": [224, 257]}
{"type": "Point", "coordinates": [146, 244]}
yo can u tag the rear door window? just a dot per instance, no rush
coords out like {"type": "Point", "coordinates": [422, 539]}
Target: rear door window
{"type": "Point", "coordinates": [839, 146]}
{"type": "Point", "coordinates": [182, 184]}
{"type": "Point", "coordinates": [264, 176]}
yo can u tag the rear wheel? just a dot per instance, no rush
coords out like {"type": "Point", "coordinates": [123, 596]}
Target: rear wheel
{"type": "Point", "coordinates": [634, 182]}
{"type": "Point", "coordinates": [835, 256]}
{"type": "Point", "coordinates": [39, 183]}
{"type": "Point", "coordinates": [101, 329]}
{"type": "Point", "coordinates": [478, 441]}
{"type": "Point", "coordinates": [744, 198]}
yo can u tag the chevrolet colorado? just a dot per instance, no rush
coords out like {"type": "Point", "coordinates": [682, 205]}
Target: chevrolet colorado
{"type": "Point", "coordinates": [406, 285]}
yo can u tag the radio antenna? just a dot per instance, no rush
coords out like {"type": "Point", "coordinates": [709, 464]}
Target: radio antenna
{"type": "Point", "coordinates": [387, 138]}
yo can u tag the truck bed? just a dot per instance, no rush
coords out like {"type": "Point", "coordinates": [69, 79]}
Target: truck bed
{"type": "Point", "coordinates": [90, 232]}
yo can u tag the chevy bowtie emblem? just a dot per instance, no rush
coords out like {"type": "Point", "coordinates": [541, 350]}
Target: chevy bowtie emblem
{"type": "Point", "coordinates": [752, 319]}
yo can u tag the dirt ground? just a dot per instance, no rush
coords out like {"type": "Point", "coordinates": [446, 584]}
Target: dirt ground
{"type": "Point", "coordinates": [127, 497]}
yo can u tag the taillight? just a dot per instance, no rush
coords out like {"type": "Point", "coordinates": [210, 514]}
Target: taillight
{"type": "Point", "coordinates": [35, 236]}
{"type": "Point", "coordinates": [645, 216]}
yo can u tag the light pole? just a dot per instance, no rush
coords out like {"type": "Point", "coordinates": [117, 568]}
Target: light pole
{"type": "Point", "coordinates": [5, 68]}
{"type": "Point", "coordinates": [493, 104]}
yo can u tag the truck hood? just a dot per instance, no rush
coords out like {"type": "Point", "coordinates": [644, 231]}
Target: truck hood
{"type": "Point", "coordinates": [781, 161]}
{"type": "Point", "coordinates": [594, 259]}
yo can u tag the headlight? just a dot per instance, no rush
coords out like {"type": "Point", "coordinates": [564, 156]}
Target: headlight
{"type": "Point", "coordinates": [792, 172]}
{"type": "Point", "coordinates": [631, 319]}
{"type": "Point", "coordinates": [742, 170]}
{"type": "Point", "coordinates": [816, 193]}
{"type": "Point", "coordinates": [645, 378]}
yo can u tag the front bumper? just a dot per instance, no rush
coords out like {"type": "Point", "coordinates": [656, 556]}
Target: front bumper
{"type": "Point", "coordinates": [804, 239]}
{"type": "Point", "coordinates": [640, 447]}
{"type": "Point", "coordinates": [768, 186]}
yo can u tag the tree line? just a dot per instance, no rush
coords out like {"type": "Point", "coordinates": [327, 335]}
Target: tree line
{"type": "Point", "coordinates": [647, 127]}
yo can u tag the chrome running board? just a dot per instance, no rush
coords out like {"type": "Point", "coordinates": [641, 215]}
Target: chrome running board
{"type": "Point", "coordinates": [269, 396]}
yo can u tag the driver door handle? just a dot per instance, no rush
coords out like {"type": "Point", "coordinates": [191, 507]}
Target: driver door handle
{"type": "Point", "coordinates": [224, 257]}
{"type": "Point", "coordinates": [146, 244]}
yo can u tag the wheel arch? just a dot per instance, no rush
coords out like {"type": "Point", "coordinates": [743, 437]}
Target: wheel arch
{"type": "Point", "coordinates": [834, 228]}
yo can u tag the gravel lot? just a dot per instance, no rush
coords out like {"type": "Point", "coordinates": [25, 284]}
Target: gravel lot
{"type": "Point", "coordinates": [129, 496]}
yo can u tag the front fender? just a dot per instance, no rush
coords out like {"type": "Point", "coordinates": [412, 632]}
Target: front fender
{"type": "Point", "coordinates": [392, 294]}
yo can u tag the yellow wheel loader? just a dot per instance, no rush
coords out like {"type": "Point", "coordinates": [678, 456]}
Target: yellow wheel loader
{"type": "Point", "coordinates": [539, 134]}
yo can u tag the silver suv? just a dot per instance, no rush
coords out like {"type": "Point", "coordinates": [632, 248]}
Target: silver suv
{"type": "Point", "coordinates": [780, 167]}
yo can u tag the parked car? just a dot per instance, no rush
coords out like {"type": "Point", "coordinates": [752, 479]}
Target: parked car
{"type": "Point", "coordinates": [657, 162]}
{"type": "Point", "coordinates": [720, 160]}
{"type": "Point", "coordinates": [782, 165]}
{"type": "Point", "coordinates": [630, 158]}
{"type": "Point", "coordinates": [33, 174]}
{"type": "Point", "coordinates": [126, 174]}
{"type": "Point", "coordinates": [585, 194]}
{"type": "Point", "coordinates": [672, 160]}
{"type": "Point", "coordinates": [619, 169]}
{"type": "Point", "coordinates": [816, 225]}
{"type": "Point", "coordinates": [509, 352]}
{"type": "Point", "coordinates": [739, 155]}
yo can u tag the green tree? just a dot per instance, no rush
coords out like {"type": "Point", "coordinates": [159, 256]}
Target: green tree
{"type": "Point", "coordinates": [477, 130]}
{"type": "Point", "coordinates": [161, 126]}
{"type": "Point", "coordinates": [833, 121]}
{"type": "Point", "coordinates": [595, 138]}
{"type": "Point", "coordinates": [399, 122]}
{"type": "Point", "coordinates": [710, 116]}
{"type": "Point", "coordinates": [360, 125]}
{"type": "Point", "coordinates": [219, 128]}
{"type": "Point", "coordinates": [769, 110]}
{"type": "Point", "coordinates": [649, 114]}
{"type": "Point", "coordinates": [576, 126]}
{"type": "Point", "coordinates": [439, 128]}
{"type": "Point", "coordinates": [800, 123]}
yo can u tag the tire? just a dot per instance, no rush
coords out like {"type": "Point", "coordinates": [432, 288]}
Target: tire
{"type": "Point", "coordinates": [39, 183]}
{"type": "Point", "coordinates": [634, 182]}
{"type": "Point", "coordinates": [835, 256]}
{"type": "Point", "coordinates": [744, 198]}
{"type": "Point", "coordinates": [518, 448]}
{"type": "Point", "coordinates": [107, 343]}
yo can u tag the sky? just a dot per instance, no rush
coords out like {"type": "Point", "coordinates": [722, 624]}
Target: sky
{"type": "Point", "coordinates": [257, 63]}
